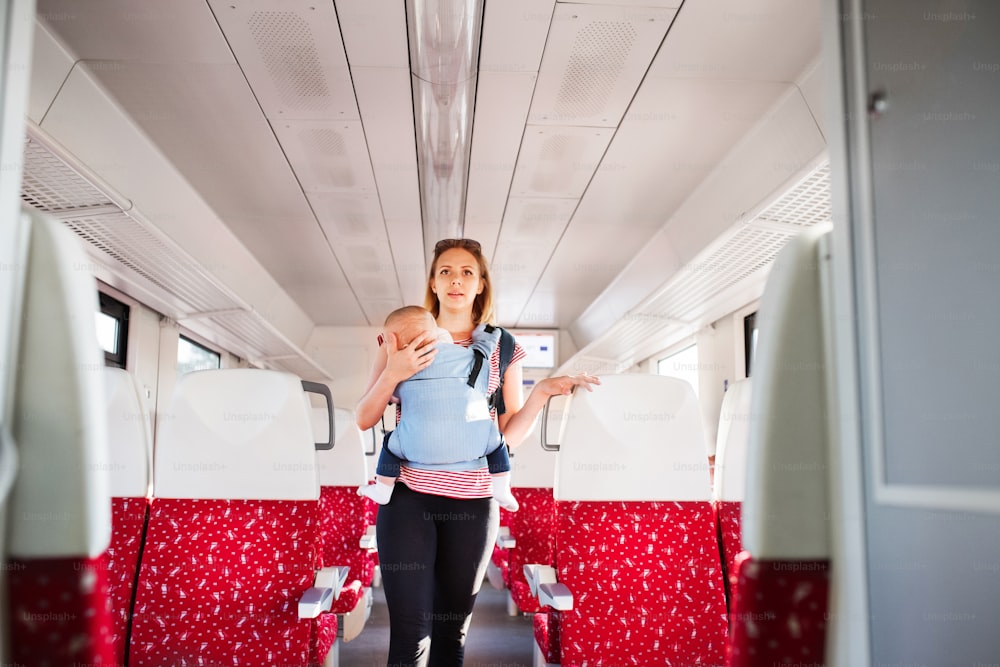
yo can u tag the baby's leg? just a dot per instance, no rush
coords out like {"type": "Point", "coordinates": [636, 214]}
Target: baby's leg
{"type": "Point", "coordinates": [499, 463]}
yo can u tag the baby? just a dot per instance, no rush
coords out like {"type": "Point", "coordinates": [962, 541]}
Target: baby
{"type": "Point", "coordinates": [445, 418]}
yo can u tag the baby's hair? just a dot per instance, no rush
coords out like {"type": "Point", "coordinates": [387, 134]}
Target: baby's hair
{"type": "Point", "coordinates": [405, 313]}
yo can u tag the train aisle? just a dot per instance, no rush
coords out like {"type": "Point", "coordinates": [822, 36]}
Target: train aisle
{"type": "Point", "coordinates": [495, 639]}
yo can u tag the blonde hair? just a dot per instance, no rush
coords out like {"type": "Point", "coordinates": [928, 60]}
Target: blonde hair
{"type": "Point", "coordinates": [482, 306]}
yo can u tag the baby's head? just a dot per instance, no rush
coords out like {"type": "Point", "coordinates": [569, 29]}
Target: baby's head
{"type": "Point", "coordinates": [411, 322]}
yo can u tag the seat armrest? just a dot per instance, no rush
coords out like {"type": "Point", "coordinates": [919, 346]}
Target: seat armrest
{"type": "Point", "coordinates": [325, 589]}
{"type": "Point", "coordinates": [368, 539]}
{"type": "Point", "coordinates": [315, 601]}
{"type": "Point", "coordinates": [537, 574]}
{"type": "Point", "coordinates": [333, 577]}
{"type": "Point", "coordinates": [558, 596]}
{"type": "Point", "coordinates": [504, 539]}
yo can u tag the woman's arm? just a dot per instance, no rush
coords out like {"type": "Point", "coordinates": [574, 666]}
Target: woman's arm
{"type": "Point", "coordinates": [391, 367]}
{"type": "Point", "coordinates": [519, 419]}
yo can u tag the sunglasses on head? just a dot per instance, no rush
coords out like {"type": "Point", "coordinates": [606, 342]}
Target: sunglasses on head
{"type": "Point", "coordinates": [448, 244]}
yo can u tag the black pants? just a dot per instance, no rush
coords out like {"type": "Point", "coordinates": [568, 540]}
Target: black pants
{"type": "Point", "coordinates": [433, 552]}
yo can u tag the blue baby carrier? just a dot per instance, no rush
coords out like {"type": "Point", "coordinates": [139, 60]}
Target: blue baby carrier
{"type": "Point", "coordinates": [446, 421]}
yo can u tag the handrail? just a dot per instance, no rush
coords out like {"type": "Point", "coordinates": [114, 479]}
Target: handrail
{"type": "Point", "coordinates": [324, 391]}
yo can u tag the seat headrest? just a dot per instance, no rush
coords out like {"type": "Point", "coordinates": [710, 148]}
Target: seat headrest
{"type": "Point", "coordinates": [345, 464]}
{"type": "Point", "coordinates": [60, 505]}
{"type": "Point", "coordinates": [635, 437]}
{"type": "Point", "coordinates": [236, 433]}
{"type": "Point", "coordinates": [130, 443]}
{"type": "Point", "coordinates": [786, 509]}
{"type": "Point", "coordinates": [731, 443]}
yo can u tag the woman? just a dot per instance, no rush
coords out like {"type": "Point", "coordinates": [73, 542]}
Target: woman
{"type": "Point", "coordinates": [436, 534]}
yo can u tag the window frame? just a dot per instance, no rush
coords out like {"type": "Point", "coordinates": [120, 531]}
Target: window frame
{"type": "Point", "coordinates": [120, 312]}
{"type": "Point", "coordinates": [749, 349]}
{"type": "Point", "coordinates": [198, 344]}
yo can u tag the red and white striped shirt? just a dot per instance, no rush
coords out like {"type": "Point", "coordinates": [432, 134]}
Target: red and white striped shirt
{"type": "Point", "coordinates": [464, 484]}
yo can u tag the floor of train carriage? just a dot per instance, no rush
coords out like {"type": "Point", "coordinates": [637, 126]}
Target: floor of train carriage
{"type": "Point", "coordinates": [495, 639]}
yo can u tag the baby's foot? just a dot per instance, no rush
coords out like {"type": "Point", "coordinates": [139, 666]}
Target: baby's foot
{"type": "Point", "coordinates": [379, 492]}
{"type": "Point", "coordinates": [503, 494]}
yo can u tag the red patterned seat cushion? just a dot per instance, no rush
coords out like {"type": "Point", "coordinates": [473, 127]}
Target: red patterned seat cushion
{"type": "Point", "coordinates": [59, 612]}
{"type": "Point", "coordinates": [646, 582]}
{"type": "Point", "coordinates": [220, 582]}
{"type": "Point", "coordinates": [534, 530]}
{"type": "Point", "coordinates": [343, 521]}
{"type": "Point", "coordinates": [728, 514]}
{"type": "Point", "coordinates": [127, 518]}
{"type": "Point", "coordinates": [546, 627]}
{"type": "Point", "coordinates": [779, 612]}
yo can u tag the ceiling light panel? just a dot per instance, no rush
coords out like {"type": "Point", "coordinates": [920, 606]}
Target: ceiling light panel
{"type": "Point", "coordinates": [292, 55]}
{"type": "Point", "coordinates": [596, 58]}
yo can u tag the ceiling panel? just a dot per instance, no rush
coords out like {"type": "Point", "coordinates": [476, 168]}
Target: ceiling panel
{"type": "Point", "coordinates": [531, 230]}
{"type": "Point", "coordinates": [293, 56]}
{"type": "Point", "coordinates": [374, 32]}
{"type": "Point", "coordinates": [204, 119]}
{"type": "Point", "coordinates": [661, 151]}
{"type": "Point", "coordinates": [387, 112]}
{"type": "Point", "coordinates": [594, 60]}
{"type": "Point", "coordinates": [558, 161]}
{"type": "Point", "coordinates": [126, 30]}
{"type": "Point", "coordinates": [765, 40]}
{"type": "Point", "coordinates": [50, 65]}
{"type": "Point", "coordinates": [502, 101]}
{"type": "Point", "coordinates": [514, 33]}
{"type": "Point", "coordinates": [327, 156]}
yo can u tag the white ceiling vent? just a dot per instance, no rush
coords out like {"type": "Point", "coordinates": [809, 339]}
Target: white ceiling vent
{"type": "Point", "coordinates": [288, 49]}
{"type": "Point", "coordinates": [156, 271]}
{"type": "Point", "coordinates": [293, 58]}
{"type": "Point", "coordinates": [595, 58]}
{"type": "Point", "coordinates": [599, 54]}
{"type": "Point", "coordinates": [697, 290]}
{"type": "Point", "coordinates": [50, 185]}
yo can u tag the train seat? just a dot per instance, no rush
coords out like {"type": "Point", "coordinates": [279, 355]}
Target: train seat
{"type": "Point", "coordinates": [780, 599]}
{"type": "Point", "coordinates": [730, 475]}
{"type": "Point", "coordinates": [59, 508]}
{"type": "Point", "coordinates": [345, 519]}
{"type": "Point", "coordinates": [638, 577]}
{"type": "Point", "coordinates": [130, 449]}
{"type": "Point", "coordinates": [532, 528]}
{"type": "Point", "coordinates": [230, 572]}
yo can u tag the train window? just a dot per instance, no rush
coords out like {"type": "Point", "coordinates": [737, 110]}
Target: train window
{"type": "Point", "coordinates": [749, 340]}
{"type": "Point", "coordinates": [194, 357]}
{"type": "Point", "coordinates": [112, 330]}
{"type": "Point", "coordinates": [682, 365]}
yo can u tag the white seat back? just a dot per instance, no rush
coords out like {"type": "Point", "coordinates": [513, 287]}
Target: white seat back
{"type": "Point", "coordinates": [346, 463]}
{"type": "Point", "coordinates": [130, 442]}
{"type": "Point", "coordinates": [731, 443]}
{"type": "Point", "coordinates": [239, 433]}
{"type": "Point", "coordinates": [60, 505]}
{"type": "Point", "coordinates": [530, 465]}
{"type": "Point", "coordinates": [786, 509]}
{"type": "Point", "coordinates": [635, 437]}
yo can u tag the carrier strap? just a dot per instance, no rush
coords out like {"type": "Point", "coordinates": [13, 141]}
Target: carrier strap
{"type": "Point", "coordinates": [477, 365]}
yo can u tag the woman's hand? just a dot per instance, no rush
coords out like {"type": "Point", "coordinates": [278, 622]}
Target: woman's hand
{"type": "Point", "coordinates": [403, 363]}
{"type": "Point", "coordinates": [563, 385]}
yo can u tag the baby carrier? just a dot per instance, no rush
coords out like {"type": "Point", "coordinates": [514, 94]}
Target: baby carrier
{"type": "Point", "coordinates": [446, 408]}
